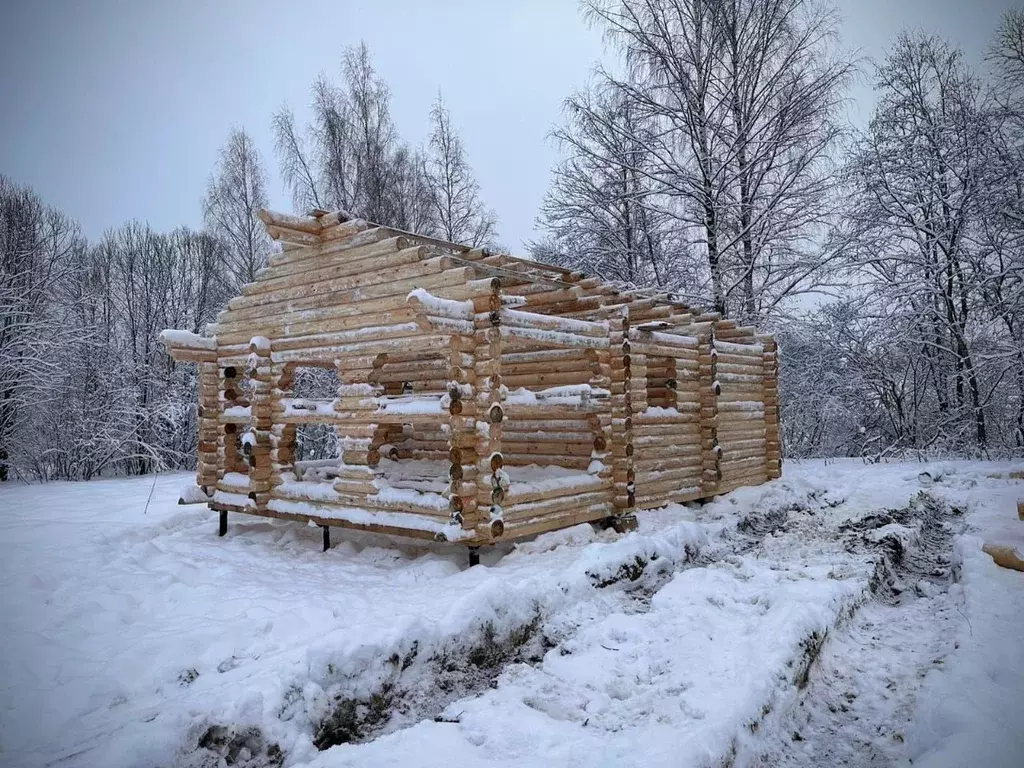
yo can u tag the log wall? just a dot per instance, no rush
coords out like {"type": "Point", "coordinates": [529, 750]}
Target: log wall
{"type": "Point", "coordinates": [455, 368]}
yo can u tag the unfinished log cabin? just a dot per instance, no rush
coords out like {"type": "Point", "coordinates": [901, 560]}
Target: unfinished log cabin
{"type": "Point", "coordinates": [375, 379]}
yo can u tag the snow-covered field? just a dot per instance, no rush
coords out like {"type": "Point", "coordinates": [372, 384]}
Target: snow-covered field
{"type": "Point", "coordinates": [833, 617]}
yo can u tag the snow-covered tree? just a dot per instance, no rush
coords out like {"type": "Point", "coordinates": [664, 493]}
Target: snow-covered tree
{"type": "Point", "coordinates": [40, 252]}
{"type": "Point", "coordinates": [916, 173]}
{"type": "Point", "coordinates": [738, 100]}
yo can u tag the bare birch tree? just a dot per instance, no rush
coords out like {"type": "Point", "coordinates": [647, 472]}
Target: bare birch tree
{"type": "Point", "coordinates": [603, 214]}
{"type": "Point", "coordinates": [744, 95]}
{"type": "Point", "coordinates": [350, 156]}
{"type": "Point", "coordinates": [296, 170]}
{"type": "Point", "coordinates": [459, 213]}
{"type": "Point", "coordinates": [1007, 49]}
{"type": "Point", "coordinates": [235, 193]}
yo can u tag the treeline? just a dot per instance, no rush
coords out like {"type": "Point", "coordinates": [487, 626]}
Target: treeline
{"type": "Point", "coordinates": [712, 159]}
{"type": "Point", "coordinates": [85, 385]}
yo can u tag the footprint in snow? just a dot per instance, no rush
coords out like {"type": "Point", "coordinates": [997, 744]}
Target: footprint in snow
{"type": "Point", "coordinates": [229, 664]}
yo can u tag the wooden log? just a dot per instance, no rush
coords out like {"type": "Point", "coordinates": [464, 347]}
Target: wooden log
{"type": "Point", "coordinates": [287, 221]}
{"type": "Point", "coordinates": [366, 349]}
{"type": "Point", "coordinates": [388, 254]}
{"type": "Point", "coordinates": [515, 512]}
{"type": "Point", "coordinates": [539, 436]}
{"type": "Point", "coordinates": [367, 235]}
{"type": "Point", "coordinates": [545, 356]}
{"type": "Point", "coordinates": [551, 338]}
{"type": "Point", "coordinates": [536, 321]}
{"type": "Point", "coordinates": [1004, 556]}
{"type": "Point", "coordinates": [518, 495]}
{"type": "Point", "coordinates": [515, 459]}
{"type": "Point", "coordinates": [662, 463]}
{"type": "Point", "coordinates": [341, 338]}
{"type": "Point", "coordinates": [292, 236]}
{"type": "Point", "coordinates": [672, 485]}
{"type": "Point", "coordinates": [557, 379]}
{"type": "Point", "coordinates": [314, 312]}
{"type": "Point", "coordinates": [579, 365]}
{"type": "Point", "coordinates": [292, 290]}
{"type": "Point", "coordinates": [359, 255]}
{"type": "Point", "coordinates": [554, 520]}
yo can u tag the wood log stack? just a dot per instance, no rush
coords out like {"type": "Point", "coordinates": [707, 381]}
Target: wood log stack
{"type": "Point", "coordinates": [480, 397]}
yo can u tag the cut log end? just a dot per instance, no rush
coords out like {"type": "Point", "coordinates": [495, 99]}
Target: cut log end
{"type": "Point", "coordinates": [1004, 557]}
{"type": "Point", "coordinates": [496, 414]}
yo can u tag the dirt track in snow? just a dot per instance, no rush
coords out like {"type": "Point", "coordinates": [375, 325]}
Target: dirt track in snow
{"type": "Point", "coordinates": [154, 630]}
{"type": "Point", "coordinates": [861, 691]}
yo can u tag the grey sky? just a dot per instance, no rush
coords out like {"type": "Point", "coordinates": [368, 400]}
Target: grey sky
{"type": "Point", "coordinates": [115, 111]}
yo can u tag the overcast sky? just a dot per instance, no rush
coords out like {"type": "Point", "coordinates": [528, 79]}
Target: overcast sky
{"type": "Point", "coordinates": [116, 110]}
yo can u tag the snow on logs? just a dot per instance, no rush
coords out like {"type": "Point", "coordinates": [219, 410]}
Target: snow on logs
{"type": "Point", "coordinates": [467, 368]}
{"type": "Point", "coordinates": [307, 231]}
{"type": "Point", "coordinates": [189, 347]}
{"type": "Point", "coordinates": [515, 325]}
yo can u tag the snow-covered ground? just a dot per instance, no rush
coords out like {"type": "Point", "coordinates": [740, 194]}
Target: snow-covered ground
{"type": "Point", "coordinates": [833, 617]}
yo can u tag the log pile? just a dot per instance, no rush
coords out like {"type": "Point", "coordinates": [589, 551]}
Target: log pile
{"type": "Point", "coordinates": [480, 397]}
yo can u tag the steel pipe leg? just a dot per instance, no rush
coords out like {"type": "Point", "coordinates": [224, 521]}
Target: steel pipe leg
{"type": "Point", "coordinates": [223, 522]}
{"type": "Point", "coordinates": [327, 537]}
{"type": "Point", "coordinates": [474, 556]}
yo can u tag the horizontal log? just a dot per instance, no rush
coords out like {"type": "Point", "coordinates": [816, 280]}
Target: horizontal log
{"type": "Point", "coordinates": [514, 512]}
{"type": "Point", "coordinates": [422, 268]}
{"type": "Point", "coordinates": [579, 424]}
{"type": "Point", "coordinates": [525, 459]}
{"type": "Point", "coordinates": [736, 465]}
{"type": "Point", "coordinates": [284, 220]}
{"type": "Point", "coordinates": [520, 494]}
{"type": "Point", "coordinates": [552, 338]}
{"type": "Point", "coordinates": [672, 485]}
{"type": "Point", "coordinates": [580, 364]}
{"type": "Point", "coordinates": [643, 466]}
{"type": "Point", "coordinates": [680, 354]}
{"type": "Point", "coordinates": [748, 370]}
{"type": "Point", "coordinates": [533, 320]}
{"type": "Point", "coordinates": [548, 356]}
{"type": "Point", "coordinates": [646, 481]}
{"type": "Point", "coordinates": [735, 454]}
{"type": "Point", "coordinates": [531, 436]}
{"type": "Point", "coordinates": [556, 410]}
{"type": "Point", "coordinates": [364, 349]}
{"type": "Point", "coordinates": [643, 444]}
{"type": "Point", "coordinates": [355, 259]}
{"type": "Point", "coordinates": [732, 394]}
{"type": "Point", "coordinates": [293, 236]}
{"type": "Point", "coordinates": [555, 379]}
{"type": "Point", "coordinates": [553, 521]}
{"type": "Point", "coordinates": [383, 255]}
{"type": "Point", "coordinates": [663, 339]}
{"type": "Point", "coordinates": [360, 234]}
{"type": "Point", "coordinates": [301, 313]}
